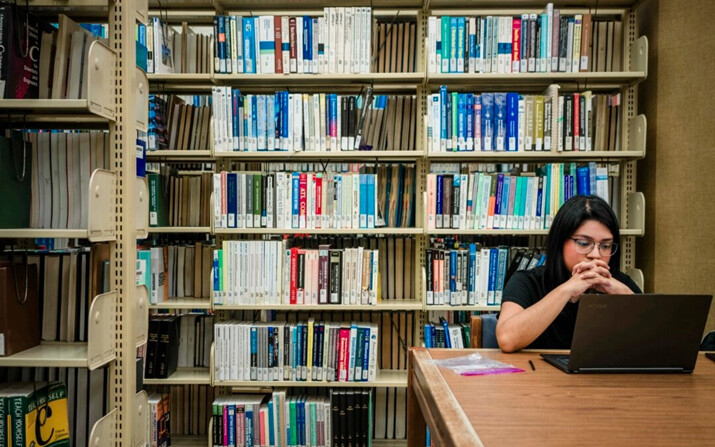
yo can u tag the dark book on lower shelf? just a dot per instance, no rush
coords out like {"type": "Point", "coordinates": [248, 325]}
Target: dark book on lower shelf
{"type": "Point", "coordinates": [151, 366]}
{"type": "Point", "coordinates": [168, 347]}
{"type": "Point", "coordinates": [19, 308]}
{"type": "Point", "coordinates": [15, 181]}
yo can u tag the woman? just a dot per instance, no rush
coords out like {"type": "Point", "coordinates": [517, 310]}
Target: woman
{"type": "Point", "coordinates": [539, 305]}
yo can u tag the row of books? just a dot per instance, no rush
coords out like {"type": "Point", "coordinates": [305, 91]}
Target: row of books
{"type": "Point", "coordinates": [341, 419]}
{"type": "Point", "coordinates": [297, 200]}
{"type": "Point", "coordinates": [515, 201]}
{"type": "Point", "coordinates": [69, 401]}
{"type": "Point", "coordinates": [336, 42]}
{"type": "Point", "coordinates": [469, 274]}
{"type": "Point", "coordinates": [56, 67]}
{"type": "Point", "coordinates": [47, 177]}
{"type": "Point", "coordinates": [396, 44]}
{"type": "Point", "coordinates": [189, 408]}
{"type": "Point", "coordinates": [302, 351]}
{"type": "Point", "coordinates": [29, 411]}
{"type": "Point", "coordinates": [175, 270]}
{"type": "Point", "coordinates": [172, 50]}
{"type": "Point", "coordinates": [541, 43]}
{"type": "Point", "coordinates": [502, 121]}
{"type": "Point", "coordinates": [179, 199]}
{"type": "Point", "coordinates": [448, 335]}
{"type": "Point", "coordinates": [271, 272]}
{"type": "Point", "coordinates": [177, 341]}
{"type": "Point", "coordinates": [318, 122]}
{"type": "Point", "coordinates": [60, 288]}
{"type": "Point", "coordinates": [179, 122]}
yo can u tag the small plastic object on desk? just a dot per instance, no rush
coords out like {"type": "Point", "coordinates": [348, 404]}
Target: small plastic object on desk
{"type": "Point", "coordinates": [476, 365]}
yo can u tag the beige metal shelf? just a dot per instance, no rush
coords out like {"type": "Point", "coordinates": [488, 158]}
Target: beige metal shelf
{"type": "Point", "coordinates": [394, 231]}
{"type": "Point", "coordinates": [180, 230]}
{"type": "Point", "coordinates": [103, 432]}
{"type": "Point", "coordinates": [181, 78]}
{"type": "Point", "coordinates": [141, 315]}
{"type": "Point", "coordinates": [141, 211]}
{"type": "Point", "coordinates": [301, 5]}
{"type": "Point", "coordinates": [141, 99]}
{"type": "Point", "coordinates": [523, 5]}
{"type": "Point", "coordinates": [330, 155]}
{"type": "Point", "coordinates": [191, 440]}
{"type": "Point", "coordinates": [204, 155]}
{"type": "Point", "coordinates": [584, 80]}
{"type": "Point", "coordinates": [386, 378]}
{"type": "Point", "coordinates": [385, 305]}
{"type": "Point", "coordinates": [183, 303]}
{"type": "Point", "coordinates": [98, 351]}
{"type": "Point", "coordinates": [330, 80]}
{"type": "Point", "coordinates": [184, 376]}
{"type": "Point", "coordinates": [447, 307]}
{"type": "Point", "coordinates": [140, 419]}
{"type": "Point", "coordinates": [536, 156]}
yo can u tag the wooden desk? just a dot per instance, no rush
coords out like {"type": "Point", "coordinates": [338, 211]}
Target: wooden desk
{"type": "Point", "coordinates": [547, 407]}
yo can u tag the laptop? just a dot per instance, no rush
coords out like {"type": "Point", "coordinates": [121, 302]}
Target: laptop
{"type": "Point", "coordinates": [640, 333]}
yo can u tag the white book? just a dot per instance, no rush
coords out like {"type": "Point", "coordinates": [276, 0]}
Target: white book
{"type": "Point", "coordinates": [285, 43]}
{"type": "Point", "coordinates": [340, 41]}
{"type": "Point", "coordinates": [315, 62]}
{"type": "Point", "coordinates": [299, 44]}
{"type": "Point", "coordinates": [267, 45]}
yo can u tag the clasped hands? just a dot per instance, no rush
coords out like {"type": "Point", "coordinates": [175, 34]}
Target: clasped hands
{"type": "Point", "coordinates": [593, 274]}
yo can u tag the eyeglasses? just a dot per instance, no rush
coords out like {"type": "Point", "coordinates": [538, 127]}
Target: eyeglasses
{"type": "Point", "coordinates": [585, 246]}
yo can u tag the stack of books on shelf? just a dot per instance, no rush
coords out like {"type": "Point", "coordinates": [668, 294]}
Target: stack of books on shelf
{"type": "Point", "coordinates": [316, 122]}
{"type": "Point", "coordinates": [525, 43]}
{"type": "Point", "coordinates": [396, 46]}
{"type": "Point", "coordinates": [179, 199]}
{"type": "Point", "coordinates": [514, 200]}
{"type": "Point", "coordinates": [510, 121]}
{"type": "Point", "coordinates": [273, 272]}
{"type": "Point", "coordinates": [177, 270]}
{"type": "Point", "coordinates": [336, 42]}
{"type": "Point", "coordinates": [342, 418]}
{"type": "Point", "coordinates": [175, 49]}
{"type": "Point", "coordinates": [177, 341]}
{"type": "Point", "coordinates": [304, 351]}
{"type": "Point", "coordinates": [448, 335]}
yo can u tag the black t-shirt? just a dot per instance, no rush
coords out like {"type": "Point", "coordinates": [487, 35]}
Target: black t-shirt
{"type": "Point", "coordinates": [526, 288]}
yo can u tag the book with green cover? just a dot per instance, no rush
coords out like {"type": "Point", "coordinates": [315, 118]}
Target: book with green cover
{"type": "Point", "coordinates": [15, 182]}
{"type": "Point", "coordinates": [158, 201]}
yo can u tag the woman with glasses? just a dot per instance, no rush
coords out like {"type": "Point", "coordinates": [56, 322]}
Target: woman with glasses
{"type": "Point", "coordinates": [539, 305]}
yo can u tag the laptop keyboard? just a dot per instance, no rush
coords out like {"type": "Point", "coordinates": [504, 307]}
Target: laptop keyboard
{"type": "Point", "coordinates": [562, 360]}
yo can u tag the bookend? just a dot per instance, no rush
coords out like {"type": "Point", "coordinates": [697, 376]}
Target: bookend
{"type": "Point", "coordinates": [141, 207]}
{"type": "Point", "coordinates": [141, 316]}
{"type": "Point", "coordinates": [101, 206]}
{"type": "Point", "coordinates": [100, 80]}
{"type": "Point", "coordinates": [101, 338]}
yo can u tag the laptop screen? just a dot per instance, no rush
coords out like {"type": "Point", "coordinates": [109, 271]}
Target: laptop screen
{"type": "Point", "coordinates": [638, 332]}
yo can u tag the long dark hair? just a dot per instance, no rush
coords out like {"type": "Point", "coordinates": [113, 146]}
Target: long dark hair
{"type": "Point", "coordinates": [573, 214]}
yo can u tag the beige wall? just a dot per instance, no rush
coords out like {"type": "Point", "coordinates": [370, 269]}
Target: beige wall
{"type": "Point", "coordinates": [678, 174]}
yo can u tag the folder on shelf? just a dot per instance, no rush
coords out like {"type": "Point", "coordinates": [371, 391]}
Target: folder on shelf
{"type": "Point", "coordinates": [15, 182]}
{"type": "Point", "coordinates": [19, 308]}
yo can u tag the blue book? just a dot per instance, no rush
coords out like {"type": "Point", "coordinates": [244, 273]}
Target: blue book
{"type": "Point", "coordinates": [222, 44]}
{"type": "Point", "coordinates": [270, 349]}
{"type": "Point", "coordinates": [447, 342]}
{"type": "Point", "coordinates": [248, 432]}
{"type": "Point", "coordinates": [453, 265]}
{"type": "Point", "coordinates": [307, 44]}
{"type": "Point", "coordinates": [539, 204]}
{"type": "Point", "coordinates": [334, 121]}
{"type": "Point", "coordinates": [370, 211]}
{"type": "Point", "coordinates": [216, 276]}
{"type": "Point", "coordinates": [487, 121]}
{"type": "Point", "coordinates": [498, 201]}
{"type": "Point", "coordinates": [582, 180]}
{"type": "Point", "coordinates": [249, 45]}
{"type": "Point", "coordinates": [544, 43]}
{"type": "Point", "coordinates": [504, 208]}
{"type": "Point", "coordinates": [500, 121]}
{"type": "Point", "coordinates": [503, 257]}
{"type": "Point", "coordinates": [301, 421]}
{"type": "Point", "coordinates": [141, 157]}
{"type": "Point", "coordinates": [231, 424]}
{"type": "Point", "coordinates": [231, 203]}
{"type": "Point", "coordinates": [446, 45]}
{"type": "Point", "coordinates": [472, 272]}
{"type": "Point", "coordinates": [512, 121]}
{"type": "Point", "coordinates": [439, 204]}
{"type": "Point", "coordinates": [461, 122]}
{"type": "Point", "coordinates": [428, 336]}
{"type": "Point", "coordinates": [592, 176]}
{"type": "Point", "coordinates": [443, 116]}
{"type": "Point", "coordinates": [271, 123]}
{"type": "Point", "coordinates": [261, 122]}
{"type": "Point", "coordinates": [469, 120]}
{"type": "Point", "coordinates": [363, 200]}
{"type": "Point", "coordinates": [271, 423]}
{"type": "Point", "coordinates": [285, 118]}
{"type": "Point", "coordinates": [254, 353]}
{"type": "Point", "coordinates": [235, 100]}
{"type": "Point", "coordinates": [478, 146]}
{"type": "Point", "coordinates": [491, 289]}
{"type": "Point", "coordinates": [461, 29]}
{"type": "Point", "coordinates": [254, 122]}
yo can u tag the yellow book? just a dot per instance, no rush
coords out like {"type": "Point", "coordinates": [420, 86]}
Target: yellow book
{"type": "Point", "coordinates": [539, 122]}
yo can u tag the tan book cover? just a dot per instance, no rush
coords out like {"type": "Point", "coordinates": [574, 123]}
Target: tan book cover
{"type": "Point", "coordinates": [618, 64]}
{"type": "Point", "coordinates": [586, 34]}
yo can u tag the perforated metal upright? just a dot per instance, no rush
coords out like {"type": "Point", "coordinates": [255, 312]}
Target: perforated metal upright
{"type": "Point", "coordinates": [122, 19]}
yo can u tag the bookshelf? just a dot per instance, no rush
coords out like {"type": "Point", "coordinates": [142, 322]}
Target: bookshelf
{"type": "Point", "coordinates": [421, 82]}
{"type": "Point", "coordinates": [115, 101]}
